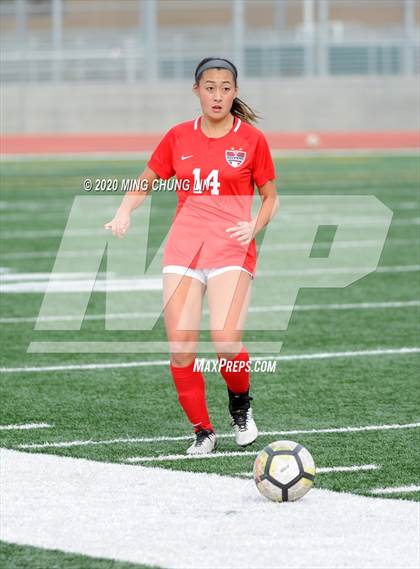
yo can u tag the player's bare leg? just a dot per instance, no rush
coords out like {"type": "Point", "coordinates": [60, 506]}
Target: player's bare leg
{"type": "Point", "coordinates": [228, 298]}
{"type": "Point", "coordinates": [183, 301]}
{"type": "Point", "coordinates": [183, 298]}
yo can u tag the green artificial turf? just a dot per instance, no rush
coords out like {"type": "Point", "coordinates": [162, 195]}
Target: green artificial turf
{"type": "Point", "coordinates": [24, 557]}
{"type": "Point", "coordinates": [120, 403]}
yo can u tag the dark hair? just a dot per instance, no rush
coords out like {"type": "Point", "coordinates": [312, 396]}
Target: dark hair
{"type": "Point", "coordinates": [239, 108]}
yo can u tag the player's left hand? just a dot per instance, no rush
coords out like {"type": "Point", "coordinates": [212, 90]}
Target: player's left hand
{"type": "Point", "coordinates": [243, 231]}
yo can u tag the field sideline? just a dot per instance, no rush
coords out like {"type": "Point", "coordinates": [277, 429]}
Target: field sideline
{"type": "Point", "coordinates": [345, 386]}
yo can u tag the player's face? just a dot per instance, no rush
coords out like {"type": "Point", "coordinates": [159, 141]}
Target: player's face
{"type": "Point", "coordinates": [216, 90]}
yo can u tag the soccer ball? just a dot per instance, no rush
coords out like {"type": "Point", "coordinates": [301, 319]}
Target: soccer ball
{"type": "Point", "coordinates": [312, 140]}
{"type": "Point", "coordinates": [284, 471]}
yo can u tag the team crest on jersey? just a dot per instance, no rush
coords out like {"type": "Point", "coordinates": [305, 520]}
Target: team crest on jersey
{"type": "Point", "coordinates": [235, 158]}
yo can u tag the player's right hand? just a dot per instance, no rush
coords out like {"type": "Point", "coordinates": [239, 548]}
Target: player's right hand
{"type": "Point", "coordinates": [119, 225]}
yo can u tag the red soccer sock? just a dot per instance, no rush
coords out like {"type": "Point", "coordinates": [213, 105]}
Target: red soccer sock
{"type": "Point", "coordinates": [236, 372]}
{"type": "Point", "coordinates": [191, 390]}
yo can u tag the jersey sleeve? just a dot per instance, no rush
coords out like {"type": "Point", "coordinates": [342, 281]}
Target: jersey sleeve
{"type": "Point", "coordinates": [263, 167]}
{"type": "Point", "coordinates": [161, 161]}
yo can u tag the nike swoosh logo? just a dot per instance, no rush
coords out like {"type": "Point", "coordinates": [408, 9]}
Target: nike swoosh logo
{"type": "Point", "coordinates": [185, 157]}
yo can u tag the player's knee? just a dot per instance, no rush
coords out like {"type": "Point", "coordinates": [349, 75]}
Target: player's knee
{"type": "Point", "coordinates": [183, 353]}
{"type": "Point", "coordinates": [182, 360]}
{"type": "Point", "coordinates": [226, 348]}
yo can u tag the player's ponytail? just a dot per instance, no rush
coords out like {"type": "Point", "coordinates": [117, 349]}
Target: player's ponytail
{"type": "Point", "coordinates": [239, 108]}
{"type": "Point", "coordinates": [243, 111]}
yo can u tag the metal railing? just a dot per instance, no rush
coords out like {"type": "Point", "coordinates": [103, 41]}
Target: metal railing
{"type": "Point", "coordinates": [148, 50]}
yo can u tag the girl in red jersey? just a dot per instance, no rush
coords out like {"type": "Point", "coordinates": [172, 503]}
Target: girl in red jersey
{"type": "Point", "coordinates": [211, 245]}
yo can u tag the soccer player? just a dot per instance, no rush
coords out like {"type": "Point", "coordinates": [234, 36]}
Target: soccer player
{"type": "Point", "coordinates": [218, 157]}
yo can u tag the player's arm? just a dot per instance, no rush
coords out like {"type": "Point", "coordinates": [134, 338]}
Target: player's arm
{"type": "Point", "coordinates": [269, 206]}
{"type": "Point", "coordinates": [245, 231]}
{"type": "Point", "coordinates": [132, 200]}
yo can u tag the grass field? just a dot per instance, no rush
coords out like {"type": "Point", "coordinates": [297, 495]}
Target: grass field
{"type": "Point", "coordinates": [112, 414]}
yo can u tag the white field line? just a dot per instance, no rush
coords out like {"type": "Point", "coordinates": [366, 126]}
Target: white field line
{"type": "Point", "coordinates": [354, 354]}
{"type": "Point", "coordinates": [39, 205]}
{"type": "Point", "coordinates": [405, 205]}
{"type": "Point", "coordinates": [358, 221]}
{"type": "Point", "coordinates": [340, 270]}
{"type": "Point", "coordinates": [327, 469]}
{"type": "Point", "coordinates": [176, 457]}
{"type": "Point", "coordinates": [269, 247]}
{"type": "Point", "coordinates": [142, 440]}
{"type": "Point", "coordinates": [7, 276]}
{"type": "Point", "coordinates": [25, 218]}
{"type": "Point", "coordinates": [25, 427]}
{"type": "Point", "coordinates": [21, 277]}
{"type": "Point", "coordinates": [154, 282]}
{"type": "Point", "coordinates": [396, 489]}
{"type": "Point", "coordinates": [126, 510]}
{"type": "Point", "coordinates": [336, 306]}
{"type": "Point", "coordinates": [299, 218]}
{"type": "Point", "coordinates": [53, 254]}
{"type": "Point", "coordinates": [86, 285]}
{"type": "Point", "coordinates": [40, 233]}
{"type": "Point", "coordinates": [291, 357]}
{"type": "Point", "coordinates": [359, 244]}
{"type": "Point", "coordinates": [46, 233]}
{"type": "Point", "coordinates": [279, 308]}
{"type": "Point", "coordinates": [43, 206]}
{"type": "Point", "coordinates": [57, 204]}
{"type": "Point", "coordinates": [170, 457]}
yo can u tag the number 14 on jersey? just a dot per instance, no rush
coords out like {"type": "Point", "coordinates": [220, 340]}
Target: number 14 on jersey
{"type": "Point", "coordinates": [211, 182]}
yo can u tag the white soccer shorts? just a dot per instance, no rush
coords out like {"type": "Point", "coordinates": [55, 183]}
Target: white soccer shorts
{"type": "Point", "coordinates": [201, 274]}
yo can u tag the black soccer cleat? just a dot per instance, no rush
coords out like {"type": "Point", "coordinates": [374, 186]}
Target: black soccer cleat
{"type": "Point", "coordinates": [205, 442]}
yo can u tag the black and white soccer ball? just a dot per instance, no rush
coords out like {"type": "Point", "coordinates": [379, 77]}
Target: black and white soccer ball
{"type": "Point", "coordinates": [284, 471]}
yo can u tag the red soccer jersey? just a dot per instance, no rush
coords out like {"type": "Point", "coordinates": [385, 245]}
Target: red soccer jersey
{"type": "Point", "coordinates": [217, 175]}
